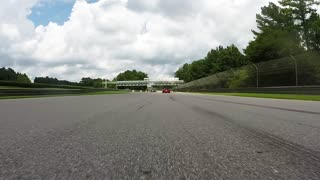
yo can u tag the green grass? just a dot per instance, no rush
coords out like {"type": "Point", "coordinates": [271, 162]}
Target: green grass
{"type": "Point", "coordinates": [63, 95]}
{"type": "Point", "coordinates": [10, 87]}
{"type": "Point", "coordinates": [273, 96]}
{"type": "Point", "coordinates": [106, 92]}
{"type": "Point", "coordinates": [14, 87]}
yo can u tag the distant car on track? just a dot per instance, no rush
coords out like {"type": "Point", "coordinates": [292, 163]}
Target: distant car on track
{"type": "Point", "coordinates": [166, 91]}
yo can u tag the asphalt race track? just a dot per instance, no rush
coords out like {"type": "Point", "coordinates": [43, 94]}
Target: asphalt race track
{"type": "Point", "coordinates": [159, 136]}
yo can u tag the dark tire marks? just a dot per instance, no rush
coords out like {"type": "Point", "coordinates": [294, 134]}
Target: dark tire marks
{"type": "Point", "coordinates": [256, 105]}
{"type": "Point", "coordinates": [309, 160]}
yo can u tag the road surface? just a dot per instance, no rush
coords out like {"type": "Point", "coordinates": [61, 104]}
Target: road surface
{"type": "Point", "coordinates": [159, 136]}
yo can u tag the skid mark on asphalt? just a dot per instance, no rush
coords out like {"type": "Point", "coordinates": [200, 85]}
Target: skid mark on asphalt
{"type": "Point", "coordinates": [143, 106]}
{"type": "Point", "coordinates": [256, 105]}
{"type": "Point", "coordinates": [308, 159]}
{"type": "Point", "coordinates": [172, 98]}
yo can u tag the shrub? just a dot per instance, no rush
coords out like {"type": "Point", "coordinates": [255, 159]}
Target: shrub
{"type": "Point", "coordinates": [239, 79]}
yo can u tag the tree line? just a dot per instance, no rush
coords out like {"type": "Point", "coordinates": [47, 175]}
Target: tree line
{"type": "Point", "coordinates": [91, 82]}
{"type": "Point", "coordinates": [86, 81]}
{"type": "Point", "coordinates": [8, 74]}
{"type": "Point", "coordinates": [288, 28]}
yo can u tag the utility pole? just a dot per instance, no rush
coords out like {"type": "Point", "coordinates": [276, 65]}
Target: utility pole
{"type": "Point", "coordinates": [296, 69]}
{"type": "Point", "coordinates": [116, 82]}
{"type": "Point", "coordinates": [257, 74]}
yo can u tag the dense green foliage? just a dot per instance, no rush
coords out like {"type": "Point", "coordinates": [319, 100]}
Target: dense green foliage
{"type": "Point", "coordinates": [97, 83]}
{"type": "Point", "coordinates": [304, 14]}
{"type": "Point", "coordinates": [238, 79]}
{"type": "Point", "coordinates": [284, 30]}
{"type": "Point", "coordinates": [274, 73]}
{"type": "Point", "coordinates": [218, 60]}
{"type": "Point", "coordinates": [131, 76]}
{"type": "Point", "coordinates": [10, 75]}
{"type": "Point", "coordinates": [49, 80]}
{"type": "Point", "coordinates": [277, 36]}
{"type": "Point", "coordinates": [314, 33]}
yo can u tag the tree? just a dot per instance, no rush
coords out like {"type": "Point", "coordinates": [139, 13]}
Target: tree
{"type": "Point", "coordinates": [10, 75]}
{"type": "Point", "coordinates": [273, 44]}
{"type": "Point", "coordinates": [222, 59]}
{"type": "Point", "coordinates": [239, 79]}
{"type": "Point", "coordinates": [46, 80]}
{"type": "Point", "coordinates": [55, 81]}
{"type": "Point", "coordinates": [314, 32]}
{"type": "Point", "coordinates": [217, 60]}
{"type": "Point", "coordinates": [277, 36]}
{"type": "Point", "coordinates": [183, 73]}
{"type": "Point", "coordinates": [96, 83]}
{"type": "Point", "coordinates": [87, 81]}
{"type": "Point", "coordinates": [273, 17]}
{"type": "Point", "coordinates": [23, 78]}
{"type": "Point", "coordinates": [301, 11]}
{"type": "Point", "coordinates": [198, 69]}
{"type": "Point", "coordinates": [131, 76]}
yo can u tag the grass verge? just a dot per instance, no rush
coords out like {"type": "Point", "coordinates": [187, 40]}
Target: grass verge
{"type": "Point", "coordinates": [272, 96]}
{"type": "Point", "coordinates": [106, 92]}
{"type": "Point", "coordinates": [63, 95]}
{"type": "Point", "coordinates": [10, 87]}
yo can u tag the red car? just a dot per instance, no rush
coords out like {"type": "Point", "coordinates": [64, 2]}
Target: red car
{"type": "Point", "coordinates": [166, 91]}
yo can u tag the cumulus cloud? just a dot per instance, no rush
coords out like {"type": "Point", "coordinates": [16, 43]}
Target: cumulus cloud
{"type": "Point", "coordinates": [104, 38]}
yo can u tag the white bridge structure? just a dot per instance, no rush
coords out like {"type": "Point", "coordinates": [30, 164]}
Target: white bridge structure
{"type": "Point", "coordinates": [147, 83]}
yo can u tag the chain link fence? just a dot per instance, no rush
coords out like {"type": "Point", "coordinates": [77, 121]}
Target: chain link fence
{"type": "Point", "coordinates": [295, 71]}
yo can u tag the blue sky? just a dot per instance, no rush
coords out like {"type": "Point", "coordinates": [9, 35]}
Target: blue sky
{"type": "Point", "coordinates": [57, 11]}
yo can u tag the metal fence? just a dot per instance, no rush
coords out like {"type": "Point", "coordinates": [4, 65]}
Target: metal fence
{"type": "Point", "coordinates": [300, 70]}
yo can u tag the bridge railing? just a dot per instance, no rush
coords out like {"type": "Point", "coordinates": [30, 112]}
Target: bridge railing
{"type": "Point", "coordinates": [144, 83]}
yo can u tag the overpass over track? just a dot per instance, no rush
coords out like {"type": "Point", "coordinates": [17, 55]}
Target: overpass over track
{"type": "Point", "coordinates": [147, 83]}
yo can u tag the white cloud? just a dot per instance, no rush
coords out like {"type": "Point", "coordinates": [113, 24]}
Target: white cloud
{"type": "Point", "coordinates": [104, 38]}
